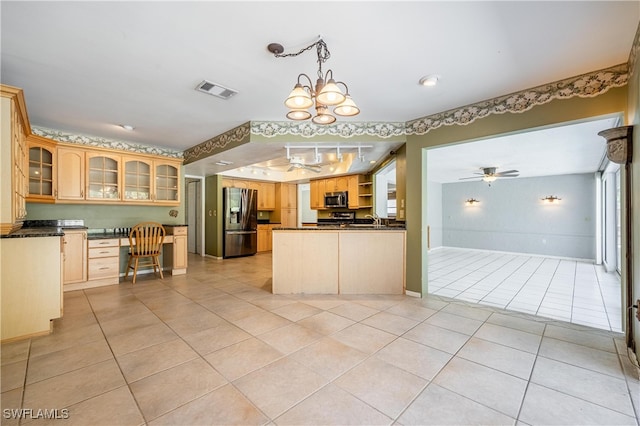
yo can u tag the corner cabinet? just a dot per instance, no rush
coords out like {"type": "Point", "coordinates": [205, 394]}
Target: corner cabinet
{"type": "Point", "coordinates": [13, 159]}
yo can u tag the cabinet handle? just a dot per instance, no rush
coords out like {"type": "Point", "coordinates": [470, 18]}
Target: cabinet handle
{"type": "Point", "coordinates": [82, 193]}
{"type": "Point", "coordinates": [103, 268]}
{"type": "Point", "coordinates": [55, 193]}
{"type": "Point", "coordinates": [104, 252]}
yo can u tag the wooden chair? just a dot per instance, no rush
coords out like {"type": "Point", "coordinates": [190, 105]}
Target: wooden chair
{"type": "Point", "coordinates": [145, 242]}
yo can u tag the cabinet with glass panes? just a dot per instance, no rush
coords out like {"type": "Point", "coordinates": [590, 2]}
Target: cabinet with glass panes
{"type": "Point", "coordinates": [103, 171]}
{"type": "Point", "coordinates": [42, 164]}
{"type": "Point", "coordinates": [137, 179]}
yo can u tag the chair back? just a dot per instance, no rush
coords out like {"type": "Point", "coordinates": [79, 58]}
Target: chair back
{"type": "Point", "coordinates": [146, 238]}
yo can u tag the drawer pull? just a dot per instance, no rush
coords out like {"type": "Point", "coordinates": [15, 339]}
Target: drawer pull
{"type": "Point", "coordinates": [104, 252]}
{"type": "Point", "coordinates": [103, 268]}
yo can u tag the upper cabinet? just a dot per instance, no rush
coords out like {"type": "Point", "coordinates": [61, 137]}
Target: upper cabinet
{"type": "Point", "coordinates": [13, 159]}
{"type": "Point", "coordinates": [70, 173]}
{"type": "Point", "coordinates": [100, 176]}
{"type": "Point", "coordinates": [103, 177]}
{"type": "Point", "coordinates": [359, 188]}
{"type": "Point", "coordinates": [266, 191]}
{"type": "Point", "coordinates": [42, 164]}
{"type": "Point", "coordinates": [167, 182]}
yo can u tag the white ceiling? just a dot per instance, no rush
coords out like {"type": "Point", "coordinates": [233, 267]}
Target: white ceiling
{"type": "Point", "coordinates": [87, 67]}
{"type": "Point", "coordinates": [569, 149]}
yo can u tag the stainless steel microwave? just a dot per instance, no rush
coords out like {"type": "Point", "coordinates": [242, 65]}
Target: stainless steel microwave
{"type": "Point", "coordinates": [336, 199]}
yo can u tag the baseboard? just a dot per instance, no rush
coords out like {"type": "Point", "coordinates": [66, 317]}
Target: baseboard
{"type": "Point", "coordinates": [515, 253]}
{"type": "Point", "coordinates": [413, 294]}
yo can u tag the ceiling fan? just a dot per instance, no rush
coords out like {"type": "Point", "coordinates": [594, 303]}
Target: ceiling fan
{"type": "Point", "coordinates": [489, 174]}
{"type": "Point", "coordinates": [296, 162]}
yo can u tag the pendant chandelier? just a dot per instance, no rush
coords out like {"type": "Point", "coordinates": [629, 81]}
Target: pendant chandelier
{"type": "Point", "coordinates": [323, 95]}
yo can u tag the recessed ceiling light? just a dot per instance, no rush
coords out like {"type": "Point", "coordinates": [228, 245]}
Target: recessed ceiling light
{"type": "Point", "coordinates": [429, 80]}
{"type": "Point", "coordinates": [128, 127]}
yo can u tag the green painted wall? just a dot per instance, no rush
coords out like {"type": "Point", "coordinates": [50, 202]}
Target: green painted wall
{"type": "Point", "coordinates": [213, 216]}
{"type": "Point", "coordinates": [106, 216]}
{"type": "Point", "coordinates": [558, 111]}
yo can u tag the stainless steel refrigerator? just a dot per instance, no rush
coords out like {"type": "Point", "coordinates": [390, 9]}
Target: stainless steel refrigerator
{"type": "Point", "coordinates": [240, 225]}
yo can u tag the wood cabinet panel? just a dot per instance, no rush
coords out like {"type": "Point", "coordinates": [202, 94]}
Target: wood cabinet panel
{"type": "Point", "coordinates": [13, 159]}
{"type": "Point", "coordinates": [70, 173]}
{"type": "Point", "coordinates": [175, 256]}
{"type": "Point", "coordinates": [74, 256]}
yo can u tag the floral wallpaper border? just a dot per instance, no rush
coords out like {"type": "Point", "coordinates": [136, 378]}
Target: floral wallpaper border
{"type": "Point", "coordinates": [584, 86]}
{"type": "Point", "coordinates": [99, 142]}
{"type": "Point", "coordinates": [206, 148]}
{"type": "Point", "coordinates": [635, 50]}
{"type": "Point", "coordinates": [346, 130]}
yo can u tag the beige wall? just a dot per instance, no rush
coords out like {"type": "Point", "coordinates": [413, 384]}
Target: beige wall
{"type": "Point", "coordinates": [558, 111]}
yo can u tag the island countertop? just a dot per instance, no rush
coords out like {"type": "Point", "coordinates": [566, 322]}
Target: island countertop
{"type": "Point", "coordinates": [342, 228]}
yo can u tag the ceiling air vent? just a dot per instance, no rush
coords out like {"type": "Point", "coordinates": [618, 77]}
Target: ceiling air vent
{"type": "Point", "coordinates": [215, 89]}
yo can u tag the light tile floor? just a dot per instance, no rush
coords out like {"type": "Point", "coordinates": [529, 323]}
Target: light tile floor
{"type": "Point", "coordinates": [567, 290]}
{"type": "Point", "coordinates": [216, 347]}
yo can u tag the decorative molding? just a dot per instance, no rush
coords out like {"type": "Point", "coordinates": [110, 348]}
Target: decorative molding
{"type": "Point", "coordinates": [584, 86]}
{"type": "Point", "coordinates": [633, 56]}
{"type": "Point", "coordinates": [99, 142]}
{"type": "Point", "coordinates": [270, 129]}
{"type": "Point", "coordinates": [207, 148]}
{"type": "Point", "coordinates": [619, 144]}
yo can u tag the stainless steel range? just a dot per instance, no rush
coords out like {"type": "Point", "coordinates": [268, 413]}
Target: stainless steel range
{"type": "Point", "coordinates": [338, 218]}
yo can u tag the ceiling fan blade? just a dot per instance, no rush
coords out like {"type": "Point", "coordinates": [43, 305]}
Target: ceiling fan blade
{"type": "Point", "coordinates": [501, 175]}
{"type": "Point", "coordinates": [312, 168]}
{"type": "Point", "coordinates": [472, 177]}
{"type": "Point", "coordinates": [507, 172]}
{"type": "Point", "coordinates": [292, 168]}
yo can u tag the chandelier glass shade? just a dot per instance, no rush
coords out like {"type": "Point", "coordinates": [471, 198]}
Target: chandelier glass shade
{"type": "Point", "coordinates": [326, 92]}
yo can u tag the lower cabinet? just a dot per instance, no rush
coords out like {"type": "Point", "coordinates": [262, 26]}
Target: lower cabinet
{"type": "Point", "coordinates": [31, 294]}
{"type": "Point", "coordinates": [264, 237]}
{"type": "Point", "coordinates": [174, 256]}
{"type": "Point", "coordinates": [104, 262]}
{"type": "Point", "coordinates": [74, 268]}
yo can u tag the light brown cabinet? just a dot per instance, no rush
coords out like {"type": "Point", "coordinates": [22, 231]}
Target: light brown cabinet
{"type": "Point", "coordinates": [104, 261]}
{"type": "Point", "coordinates": [70, 172]}
{"type": "Point", "coordinates": [174, 256]}
{"type": "Point", "coordinates": [13, 159]}
{"type": "Point", "coordinates": [42, 164]}
{"type": "Point", "coordinates": [74, 268]}
{"type": "Point", "coordinates": [359, 188]}
{"type": "Point", "coordinates": [103, 176]}
{"type": "Point", "coordinates": [316, 195]}
{"type": "Point", "coordinates": [266, 191]}
{"type": "Point", "coordinates": [286, 212]}
{"type": "Point", "coordinates": [265, 233]}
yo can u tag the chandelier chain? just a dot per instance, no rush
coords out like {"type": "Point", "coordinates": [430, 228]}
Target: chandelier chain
{"type": "Point", "coordinates": [322, 51]}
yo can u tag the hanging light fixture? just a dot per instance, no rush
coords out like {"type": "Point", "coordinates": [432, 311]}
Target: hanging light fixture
{"type": "Point", "coordinates": [323, 95]}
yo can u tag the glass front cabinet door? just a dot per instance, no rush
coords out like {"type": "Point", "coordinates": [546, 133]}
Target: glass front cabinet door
{"type": "Point", "coordinates": [41, 172]}
{"type": "Point", "coordinates": [167, 183]}
{"type": "Point", "coordinates": [137, 180]}
{"type": "Point", "coordinates": [103, 177]}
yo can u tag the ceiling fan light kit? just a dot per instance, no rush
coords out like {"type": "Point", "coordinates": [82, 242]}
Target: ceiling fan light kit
{"type": "Point", "coordinates": [489, 174]}
{"type": "Point", "coordinates": [326, 92]}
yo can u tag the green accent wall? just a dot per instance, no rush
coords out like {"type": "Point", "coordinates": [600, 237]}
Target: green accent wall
{"type": "Point", "coordinates": [213, 216]}
{"type": "Point", "coordinates": [106, 216]}
{"type": "Point", "coordinates": [553, 113]}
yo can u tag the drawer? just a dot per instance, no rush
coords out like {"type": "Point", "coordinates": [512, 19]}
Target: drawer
{"type": "Point", "coordinates": [107, 267]}
{"type": "Point", "coordinates": [179, 230]}
{"type": "Point", "coordinates": [111, 242]}
{"type": "Point", "coordinates": [97, 252]}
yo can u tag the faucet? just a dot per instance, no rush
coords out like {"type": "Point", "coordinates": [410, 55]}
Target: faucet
{"type": "Point", "coordinates": [376, 219]}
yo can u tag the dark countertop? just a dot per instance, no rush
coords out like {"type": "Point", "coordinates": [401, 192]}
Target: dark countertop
{"type": "Point", "coordinates": [343, 228]}
{"type": "Point", "coordinates": [36, 232]}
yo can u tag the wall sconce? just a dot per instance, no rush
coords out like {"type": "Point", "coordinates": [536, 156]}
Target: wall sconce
{"type": "Point", "coordinates": [471, 202]}
{"type": "Point", "coordinates": [551, 199]}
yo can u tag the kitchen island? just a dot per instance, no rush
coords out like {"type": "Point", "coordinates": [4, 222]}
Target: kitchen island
{"type": "Point", "coordinates": [339, 260]}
